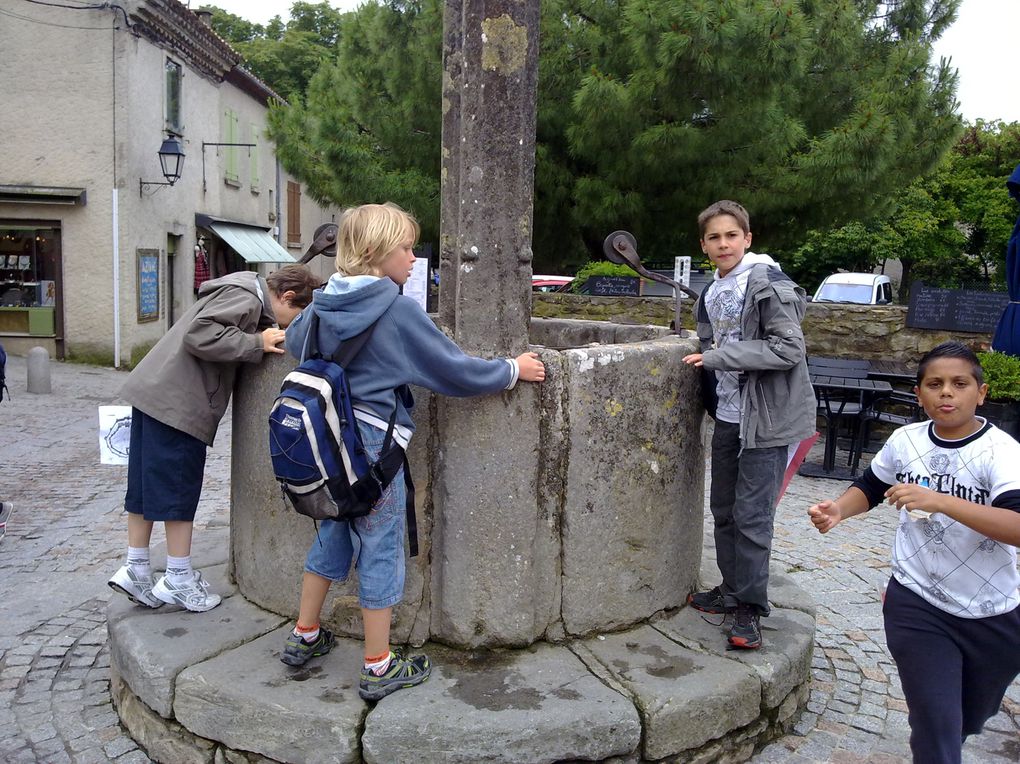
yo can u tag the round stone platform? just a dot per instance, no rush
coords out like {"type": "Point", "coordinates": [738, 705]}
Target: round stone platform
{"type": "Point", "coordinates": [209, 687]}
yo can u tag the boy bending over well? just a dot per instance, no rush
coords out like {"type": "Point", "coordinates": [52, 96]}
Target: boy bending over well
{"type": "Point", "coordinates": [178, 395]}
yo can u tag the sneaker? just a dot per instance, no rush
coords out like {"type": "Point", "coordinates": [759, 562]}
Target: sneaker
{"type": "Point", "coordinates": [746, 630]}
{"type": "Point", "coordinates": [403, 672]}
{"type": "Point", "coordinates": [5, 514]}
{"type": "Point", "coordinates": [136, 589]}
{"type": "Point", "coordinates": [297, 652]}
{"type": "Point", "coordinates": [193, 595]}
{"type": "Point", "coordinates": [709, 602]}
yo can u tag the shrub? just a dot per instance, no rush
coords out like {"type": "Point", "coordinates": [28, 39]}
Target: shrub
{"type": "Point", "coordinates": [1002, 375]}
{"type": "Point", "coordinates": [599, 268]}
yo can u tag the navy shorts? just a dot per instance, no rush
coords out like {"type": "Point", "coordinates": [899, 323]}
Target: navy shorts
{"type": "Point", "coordinates": [165, 470]}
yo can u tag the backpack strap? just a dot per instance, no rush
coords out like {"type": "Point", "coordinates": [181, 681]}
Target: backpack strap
{"type": "Point", "coordinates": [392, 456]}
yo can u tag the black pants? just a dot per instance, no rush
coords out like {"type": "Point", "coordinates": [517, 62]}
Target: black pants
{"type": "Point", "coordinates": [745, 483]}
{"type": "Point", "coordinates": [954, 671]}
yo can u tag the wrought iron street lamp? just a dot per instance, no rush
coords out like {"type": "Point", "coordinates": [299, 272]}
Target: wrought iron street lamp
{"type": "Point", "coordinates": [171, 161]}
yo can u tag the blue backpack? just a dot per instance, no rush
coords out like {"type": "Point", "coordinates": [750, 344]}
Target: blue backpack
{"type": "Point", "coordinates": [318, 457]}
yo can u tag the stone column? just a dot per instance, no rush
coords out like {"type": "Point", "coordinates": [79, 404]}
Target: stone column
{"type": "Point", "coordinates": [495, 551]}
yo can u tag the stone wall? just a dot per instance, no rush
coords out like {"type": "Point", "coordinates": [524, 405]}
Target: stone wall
{"type": "Point", "coordinates": [857, 331]}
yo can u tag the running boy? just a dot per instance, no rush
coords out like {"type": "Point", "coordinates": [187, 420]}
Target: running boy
{"type": "Point", "coordinates": [374, 257]}
{"type": "Point", "coordinates": [752, 311]}
{"type": "Point", "coordinates": [178, 394]}
{"type": "Point", "coordinates": [951, 615]}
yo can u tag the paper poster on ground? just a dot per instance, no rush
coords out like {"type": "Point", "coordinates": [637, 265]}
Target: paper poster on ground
{"type": "Point", "coordinates": [114, 434]}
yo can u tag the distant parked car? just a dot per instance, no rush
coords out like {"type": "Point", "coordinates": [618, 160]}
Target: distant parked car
{"type": "Point", "coordinates": [860, 288]}
{"type": "Point", "coordinates": [550, 283]}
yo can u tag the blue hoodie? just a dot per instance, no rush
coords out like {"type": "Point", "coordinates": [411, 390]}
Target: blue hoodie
{"type": "Point", "coordinates": [405, 348]}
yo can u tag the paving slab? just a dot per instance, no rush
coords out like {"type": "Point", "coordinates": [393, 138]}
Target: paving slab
{"type": "Point", "coordinates": [535, 705]}
{"type": "Point", "coordinates": [248, 700]}
{"type": "Point", "coordinates": [149, 648]}
{"type": "Point", "coordinates": [685, 697]}
{"type": "Point", "coordinates": [782, 663]}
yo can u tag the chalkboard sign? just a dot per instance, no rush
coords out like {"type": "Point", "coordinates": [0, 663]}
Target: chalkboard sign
{"type": "Point", "coordinates": [148, 285]}
{"type": "Point", "coordinates": [613, 286]}
{"type": "Point", "coordinates": [962, 310]}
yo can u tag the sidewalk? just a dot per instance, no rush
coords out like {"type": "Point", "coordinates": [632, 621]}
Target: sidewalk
{"type": "Point", "coordinates": [66, 537]}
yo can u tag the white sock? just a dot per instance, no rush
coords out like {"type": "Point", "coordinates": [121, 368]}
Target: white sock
{"type": "Point", "coordinates": [379, 667]}
{"type": "Point", "coordinates": [138, 561]}
{"type": "Point", "coordinates": [178, 569]}
{"type": "Point", "coordinates": [307, 636]}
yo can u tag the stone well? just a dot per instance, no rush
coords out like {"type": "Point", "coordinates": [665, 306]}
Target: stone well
{"type": "Point", "coordinates": [589, 509]}
{"type": "Point", "coordinates": [551, 605]}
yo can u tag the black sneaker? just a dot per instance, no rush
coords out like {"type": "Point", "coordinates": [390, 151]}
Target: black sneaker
{"type": "Point", "coordinates": [745, 634]}
{"type": "Point", "coordinates": [402, 672]}
{"type": "Point", "coordinates": [709, 602]}
{"type": "Point", "coordinates": [297, 652]}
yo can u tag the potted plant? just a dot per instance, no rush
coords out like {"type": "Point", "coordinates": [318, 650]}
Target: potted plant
{"type": "Point", "coordinates": [1002, 404]}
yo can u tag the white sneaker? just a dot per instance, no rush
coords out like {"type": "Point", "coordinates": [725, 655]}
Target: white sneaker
{"type": "Point", "coordinates": [194, 595]}
{"type": "Point", "coordinates": [136, 589]}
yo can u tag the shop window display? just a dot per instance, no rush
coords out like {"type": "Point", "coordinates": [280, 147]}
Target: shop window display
{"type": "Point", "coordinates": [28, 279]}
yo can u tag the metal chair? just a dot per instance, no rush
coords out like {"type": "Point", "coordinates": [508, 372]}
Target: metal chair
{"type": "Point", "coordinates": [907, 411]}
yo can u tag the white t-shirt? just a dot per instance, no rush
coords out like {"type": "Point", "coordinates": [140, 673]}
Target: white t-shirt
{"type": "Point", "coordinates": [956, 569]}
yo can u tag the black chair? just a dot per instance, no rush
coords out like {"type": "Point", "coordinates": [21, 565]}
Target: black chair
{"type": "Point", "coordinates": [897, 408]}
{"type": "Point", "coordinates": [840, 410]}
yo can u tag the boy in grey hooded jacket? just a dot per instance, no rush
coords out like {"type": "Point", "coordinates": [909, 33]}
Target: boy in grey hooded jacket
{"type": "Point", "coordinates": [178, 394]}
{"type": "Point", "coordinates": [752, 312]}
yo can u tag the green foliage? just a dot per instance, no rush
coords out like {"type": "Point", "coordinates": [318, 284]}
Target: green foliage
{"type": "Point", "coordinates": [599, 268]}
{"type": "Point", "coordinates": [368, 128]}
{"type": "Point", "coordinates": [812, 114]}
{"type": "Point", "coordinates": [1002, 375]}
{"type": "Point", "coordinates": [284, 56]}
{"type": "Point", "coordinates": [949, 228]}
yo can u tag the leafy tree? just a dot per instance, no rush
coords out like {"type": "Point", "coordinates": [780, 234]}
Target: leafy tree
{"type": "Point", "coordinates": [948, 228]}
{"type": "Point", "coordinates": [813, 114]}
{"type": "Point", "coordinates": [233, 28]}
{"type": "Point", "coordinates": [284, 56]}
{"type": "Point", "coordinates": [369, 126]}
{"type": "Point", "coordinates": [809, 113]}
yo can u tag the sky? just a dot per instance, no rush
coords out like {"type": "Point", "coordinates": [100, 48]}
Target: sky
{"type": "Point", "coordinates": [978, 44]}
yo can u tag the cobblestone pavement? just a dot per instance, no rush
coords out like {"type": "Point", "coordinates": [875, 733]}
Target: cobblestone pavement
{"type": "Point", "coordinates": [66, 537]}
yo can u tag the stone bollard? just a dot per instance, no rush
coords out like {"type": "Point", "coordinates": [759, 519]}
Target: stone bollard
{"type": "Point", "coordinates": [39, 371]}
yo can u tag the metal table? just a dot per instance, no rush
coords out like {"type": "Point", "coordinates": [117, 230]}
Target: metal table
{"type": "Point", "coordinates": [841, 397]}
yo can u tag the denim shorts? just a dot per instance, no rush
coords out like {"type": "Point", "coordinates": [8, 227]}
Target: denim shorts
{"type": "Point", "coordinates": [376, 540]}
{"type": "Point", "coordinates": [165, 469]}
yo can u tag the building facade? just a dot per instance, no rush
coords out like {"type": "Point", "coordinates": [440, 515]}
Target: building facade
{"type": "Point", "coordinates": [99, 254]}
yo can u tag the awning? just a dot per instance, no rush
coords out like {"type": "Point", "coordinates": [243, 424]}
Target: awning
{"type": "Point", "coordinates": [252, 243]}
{"type": "Point", "coordinates": [42, 195]}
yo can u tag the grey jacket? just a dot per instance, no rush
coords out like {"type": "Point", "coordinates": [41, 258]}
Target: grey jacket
{"type": "Point", "coordinates": [185, 381]}
{"type": "Point", "coordinates": [777, 402]}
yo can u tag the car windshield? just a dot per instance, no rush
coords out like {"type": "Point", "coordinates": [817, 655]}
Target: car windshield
{"type": "Point", "coordinates": [860, 293]}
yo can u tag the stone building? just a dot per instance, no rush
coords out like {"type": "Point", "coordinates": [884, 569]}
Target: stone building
{"type": "Point", "coordinates": [97, 250]}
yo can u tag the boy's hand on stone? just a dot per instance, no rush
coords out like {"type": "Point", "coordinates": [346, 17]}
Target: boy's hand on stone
{"type": "Point", "coordinates": [529, 368]}
{"type": "Point", "coordinates": [271, 338]}
{"type": "Point", "coordinates": [825, 515]}
{"type": "Point", "coordinates": [693, 359]}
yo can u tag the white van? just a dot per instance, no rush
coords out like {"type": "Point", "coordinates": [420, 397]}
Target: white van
{"type": "Point", "coordinates": [860, 288]}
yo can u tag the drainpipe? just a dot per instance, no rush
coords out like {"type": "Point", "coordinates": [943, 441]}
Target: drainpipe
{"type": "Point", "coordinates": [116, 281]}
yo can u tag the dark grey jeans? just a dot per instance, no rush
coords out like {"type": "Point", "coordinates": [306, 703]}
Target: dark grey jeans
{"type": "Point", "coordinates": [745, 484]}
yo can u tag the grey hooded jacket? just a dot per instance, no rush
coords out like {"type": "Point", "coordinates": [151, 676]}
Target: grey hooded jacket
{"type": "Point", "coordinates": [185, 381]}
{"type": "Point", "coordinates": [777, 402]}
